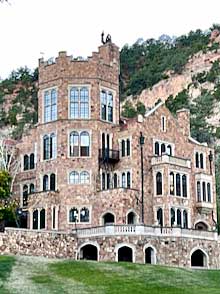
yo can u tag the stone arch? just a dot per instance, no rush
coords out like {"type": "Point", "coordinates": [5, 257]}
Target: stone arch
{"type": "Point", "coordinates": [201, 225]}
{"type": "Point", "coordinates": [125, 252]}
{"type": "Point", "coordinates": [199, 258]}
{"type": "Point", "coordinates": [129, 217]}
{"type": "Point", "coordinates": [108, 217]}
{"type": "Point", "coordinates": [89, 251]}
{"type": "Point", "coordinates": [150, 254]}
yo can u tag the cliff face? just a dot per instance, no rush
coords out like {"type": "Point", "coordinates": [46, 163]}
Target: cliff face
{"type": "Point", "coordinates": [201, 62]}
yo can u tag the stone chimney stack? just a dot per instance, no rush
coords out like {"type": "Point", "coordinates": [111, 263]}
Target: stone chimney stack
{"type": "Point", "coordinates": [183, 117]}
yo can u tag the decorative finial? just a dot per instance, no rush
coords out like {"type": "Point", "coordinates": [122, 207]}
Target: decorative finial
{"type": "Point", "coordinates": [107, 40]}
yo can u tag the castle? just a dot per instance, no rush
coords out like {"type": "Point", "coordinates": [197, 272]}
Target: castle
{"type": "Point", "coordinates": [94, 185]}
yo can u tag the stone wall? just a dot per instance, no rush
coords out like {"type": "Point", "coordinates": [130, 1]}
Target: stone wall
{"type": "Point", "coordinates": [172, 251]}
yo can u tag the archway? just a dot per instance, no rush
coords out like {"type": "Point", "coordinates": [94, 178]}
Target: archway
{"type": "Point", "coordinates": [108, 218]}
{"type": "Point", "coordinates": [125, 253]}
{"type": "Point", "coordinates": [150, 255]}
{"type": "Point", "coordinates": [201, 226]}
{"type": "Point", "coordinates": [198, 259]}
{"type": "Point", "coordinates": [89, 252]}
{"type": "Point", "coordinates": [131, 218]}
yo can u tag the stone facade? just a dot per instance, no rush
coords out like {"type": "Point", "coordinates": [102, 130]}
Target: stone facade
{"type": "Point", "coordinates": [67, 183]}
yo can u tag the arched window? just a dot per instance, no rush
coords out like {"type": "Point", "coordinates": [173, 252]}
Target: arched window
{"type": "Point", "coordinates": [128, 180]}
{"type": "Point", "coordinates": [157, 148]}
{"type": "Point", "coordinates": [74, 103]}
{"type": "Point", "coordinates": [115, 180]}
{"type": "Point", "coordinates": [45, 183]}
{"type": "Point", "coordinates": [46, 147]}
{"type": "Point", "coordinates": [185, 219]}
{"type": "Point", "coordinates": [209, 192]}
{"type": "Point", "coordinates": [74, 144]}
{"type": "Point", "coordinates": [197, 159]}
{"type": "Point", "coordinates": [160, 217]}
{"type": "Point", "coordinates": [179, 218]}
{"type": "Point", "coordinates": [84, 177]}
{"type": "Point", "coordinates": [74, 177]}
{"type": "Point", "coordinates": [31, 189]}
{"type": "Point", "coordinates": [35, 219]}
{"type": "Point", "coordinates": [108, 182]}
{"type": "Point", "coordinates": [52, 182]}
{"type": "Point", "coordinates": [178, 189]}
{"type": "Point", "coordinates": [199, 199]}
{"type": "Point", "coordinates": [84, 144]}
{"type": "Point", "coordinates": [123, 148]}
{"type": "Point", "coordinates": [110, 107]}
{"type": "Point", "coordinates": [159, 183]}
{"type": "Point", "coordinates": [163, 149]}
{"type": "Point", "coordinates": [184, 185]}
{"type": "Point", "coordinates": [169, 150]}
{"type": "Point", "coordinates": [25, 195]}
{"type": "Point", "coordinates": [103, 181]}
{"type": "Point", "coordinates": [84, 103]}
{"type": "Point", "coordinates": [73, 215]}
{"type": "Point", "coordinates": [128, 147]}
{"type": "Point", "coordinates": [26, 162]}
{"type": "Point", "coordinates": [172, 216]}
{"type": "Point", "coordinates": [131, 218]}
{"type": "Point", "coordinates": [201, 161]}
{"type": "Point", "coordinates": [203, 191]}
{"type": "Point", "coordinates": [103, 105]}
{"type": "Point", "coordinates": [172, 180]}
{"type": "Point", "coordinates": [42, 219]}
{"type": "Point", "coordinates": [108, 218]}
{"type": "Point", "coordinates": [32, 161]}
{"type": "Point", "coordinates": [123, 180]}
{"type": "Point", "coordinates": [84, 215]}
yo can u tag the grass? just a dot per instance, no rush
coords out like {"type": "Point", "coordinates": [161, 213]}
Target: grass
{"type": "Point", "coordinates": [41, 275]}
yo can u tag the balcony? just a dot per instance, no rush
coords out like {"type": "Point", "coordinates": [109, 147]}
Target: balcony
{"type": "Point", "coordinates": [156, 160]}
{"type": "Point", "coordinates": [204, 207]}
{"type": "Point", "coordinates": [108, 156]}
{"type": "Point", "coordinates": [132, 230]}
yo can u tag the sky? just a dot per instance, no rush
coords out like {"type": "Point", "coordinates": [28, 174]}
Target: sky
{"type": "Point", "coordinates": [31, 29]}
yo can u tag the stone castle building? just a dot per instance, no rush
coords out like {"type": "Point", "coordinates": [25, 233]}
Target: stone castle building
{"type": "Point", "coordinates": [107, 187]}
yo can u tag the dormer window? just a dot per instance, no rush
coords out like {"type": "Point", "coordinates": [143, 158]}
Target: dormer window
{"type": "Point", "coordinates": [107, 105]}
{"type": "Point", "coordinates": [50, 105]}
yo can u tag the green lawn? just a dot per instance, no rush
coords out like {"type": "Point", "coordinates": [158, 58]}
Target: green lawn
{"type": "Point", "coordinates": [40, 275]}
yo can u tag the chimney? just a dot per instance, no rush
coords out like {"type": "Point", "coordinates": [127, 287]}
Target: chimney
{"type": "Point", "coordinates": [183, 117]}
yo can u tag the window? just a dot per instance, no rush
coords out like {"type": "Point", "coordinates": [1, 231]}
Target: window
{"type": "Point", "coordinates": [172, 216]}
{"type": "Point", "coordinates": [106, 105]}
{"type": "Point", "coordinates": [26, 162]}
{"type": "Point", "coordinates": [160, 217]}
{"type": "Point", "coordinates": [42, 219]}
{"type": "Point", "coordinates": [198, 191]}
{"type": "Point", "coordinates": [45, 183]}
{"type": "Point", "coordinates": [185, 219]}
{"type": "Point", "coordinates": [123, 180]}
{"type": "Point", "coordinates": [79, 144]}
{"type": "Point", "coordinates": [199, 160]}
{"type": "Point", "coordinates": [103, 181]}
{"type": "Point", "coordinates": [128, 143]}
{"type": "Point", "coordinates": [52, 182]}
{"type": "Point", "coordinates": [179, 218]}
{"type": "Point", "coordinates": [79, 102]}
{"type": "Point", "coordinates": [125, 147]}
{"type": "Point", "coordinates": [32, 189]}
{"type": "Point", "coordinates": [209, 192]}
{"type": "Point", "coordinates": [108, 181]}
{"type": "Point", "coordinates": [128, 180]}
{"type": "Point", "coordinates": [84, 177]}
{"type": "Point", "coordinates": [73, 215]}
{"type": "Point", "coordinates": [203, 191]}
{"type": "Point", "coordinates": [79, 214]}
{"type": "Point", "coordinates": [49, 146]}
{"type": "Point", "coordinates": [161, 148]}
{"type": "Point", "coordinates": [35, 220]}
{"type": "Point", "coordinates": [159, 183]}
{"type": "Point", "coordinates": [74, 177]}
{"type": "Point", "coordinates": [172, 183]}
{"type": "Point", "coordinates": [50, 105]}
{"type": "Point", "coordinates": [84, 215]}
{"type": "Point", "coordinates": [39, 219]}
{"type": "Point", "coordinates": [184, 186]}
{"type": "Point", "coordinates": [178, 191]}
{"type": "Point", "coordinates": [25, 195]}
{"type": "Point", "coordinates": [163, 124]}
{"type": "Point", "coordinates": [115, 180]}
{"type": "Point", "coordinates": [32, 161]}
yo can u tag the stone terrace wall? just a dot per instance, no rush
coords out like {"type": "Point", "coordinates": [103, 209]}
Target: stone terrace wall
{"type": "Point", "coordinates": [172, 251]}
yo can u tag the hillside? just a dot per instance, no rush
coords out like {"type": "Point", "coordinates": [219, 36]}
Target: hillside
{"type": "Point", "coordinates": [41, 275]}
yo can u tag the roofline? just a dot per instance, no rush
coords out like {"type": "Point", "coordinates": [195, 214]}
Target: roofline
{"type": "Point", "coordinates": [198, 143]}
{"type": "Point", "coordinates": [153, 109]}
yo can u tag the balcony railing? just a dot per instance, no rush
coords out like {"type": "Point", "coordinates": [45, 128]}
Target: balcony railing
{"type": "Point", "coordinates": [171, 160]}
{"type": "Point", "coordinates": [108, 155]}
{"type": "Point", "coordinates": [118, 230]}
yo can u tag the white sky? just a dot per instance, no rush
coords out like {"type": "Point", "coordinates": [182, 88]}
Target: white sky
{"type": "Point", "coordinates": [29, 27]}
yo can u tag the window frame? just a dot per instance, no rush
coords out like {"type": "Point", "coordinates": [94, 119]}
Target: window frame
{"type": "Point", "coordinates": [107, 91]}
{"type": "Point", "coordinates": [79, 208]}
{"type": "Point", "coordinates": [79, 131]}
{"type": "Point", "coordinates": [51, 104]}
